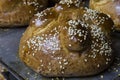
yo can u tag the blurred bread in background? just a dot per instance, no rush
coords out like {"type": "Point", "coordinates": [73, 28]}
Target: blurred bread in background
{"type": "Point", "coordinates": [19, 12]}
{"type": "Point", "coordinates": [109, 7]}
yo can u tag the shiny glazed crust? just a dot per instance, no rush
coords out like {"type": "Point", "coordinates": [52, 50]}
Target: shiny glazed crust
{"type": "Point", "coordinates": [19, 12]}
{"type": "Point", "coordinates": [109, 7]}
{"type": "Point", "coordinates": [67, 41]}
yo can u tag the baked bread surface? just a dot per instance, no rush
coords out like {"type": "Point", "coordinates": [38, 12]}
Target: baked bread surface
{"type": "Point", "coordinates": [67, 41]}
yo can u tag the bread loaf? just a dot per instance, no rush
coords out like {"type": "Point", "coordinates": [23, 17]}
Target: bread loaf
{"type": "Point", "coordinates": [67, 40]}
{"type": "Point", "coordinates": [15, 13]}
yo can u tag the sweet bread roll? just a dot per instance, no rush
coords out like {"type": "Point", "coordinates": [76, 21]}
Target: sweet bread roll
{"type": "Point", "coordinates": [19, 12]}
{"type": "Point", "coordinates": [109, 7]}
{"type": "Point", "coordinates": [67, 41]}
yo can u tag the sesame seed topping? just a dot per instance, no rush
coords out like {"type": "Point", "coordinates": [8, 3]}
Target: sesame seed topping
{"type": "Point", "coordinates": [106, 62]}
{"type": "Point", "coordinates": [65, 63]}
{"type": "Point", "coordinates": [98, 65]}
{"type": "Point", "coordinates": [81, 30]}
{"type": "Point", "coordinates": [117, 70]}
{"type": "Point", "coordinates": [42, 65]}
{"type": "Point", "coordinates": [60, 62]}
{"type": "Point", "coordinates": [50, 69]}
{"type": "Point", "coordinates": [35, 3]}
{"type": "Point", "coordinates": [28, 73]}
{"type": "Point", "coordinates": [73, 30]}
{"type": "Point", "coordinates": [44, 44]}
{"type": "Point", "coordinates": [69, 2]}
{"type": "Point", "coordinates": [101, 76]}
{"type": "Point", "coordinates": [41, 60]}
{"type": "Point", "coordinates": [118, 74]}
{"type": "Point", "coordinates": [85, 60]}
{"type": "Point", "coordinates": [61, 66]}
{"type": "Point", "coordinates": [62, 72]}
{"type": "Point", "coordinates": [49, 63]}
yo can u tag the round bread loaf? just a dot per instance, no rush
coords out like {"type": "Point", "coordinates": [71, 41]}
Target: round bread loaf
{"type": "Point", "coordinates": [67, 41]}
{"type": "Point", "coordinates": [109, 7]}
{"type": "Point", "coordinates": [19, 12]}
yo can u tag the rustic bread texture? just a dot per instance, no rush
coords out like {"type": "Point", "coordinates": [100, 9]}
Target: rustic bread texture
{"type": "Point", "coordinates": [67, 41]}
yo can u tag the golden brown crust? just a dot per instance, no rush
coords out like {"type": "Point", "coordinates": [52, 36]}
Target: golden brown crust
{"type": "Point", "coordinates": [19, 12]}
{"type": "Point", "coordinates": [67, 40]}
{"type": "Point", "coordinates": [109, 7]}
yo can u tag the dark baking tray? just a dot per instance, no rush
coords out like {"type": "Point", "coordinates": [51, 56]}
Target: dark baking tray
{"type": "Point", "coordinates": [9, 43]}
